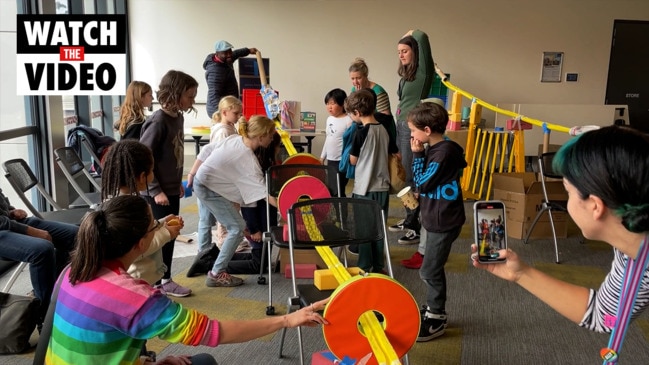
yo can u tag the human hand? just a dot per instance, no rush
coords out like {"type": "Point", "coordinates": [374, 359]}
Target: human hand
{"type": "Point", "coordinates": [182, 191]}
{"type": "Point", "coordinates": [408, 33]}
{"type": "Point", "coordinates": [256, 237]}
{"type": "Point", "coordinates": [253, 50]}
{"type": "Point", "coordinates": [161, 199]}
{"type": "Point", "coordinates": [510, 270]}
{"type": "Point", "coordinates": [416, 145]}
{"type": "Point", "coordinates": [17, 214]}
{"type": "Point", "coordinates": [307, 316]}
{"type": "Point", "coordinates": [175, 360]}
{"type": "Point", "coordinates": [174, 224]}
{"type": "Point", "coordinates": [38, 233]}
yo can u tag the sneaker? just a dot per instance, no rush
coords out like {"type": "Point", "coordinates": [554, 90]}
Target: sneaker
{"type": "Point", "coordinates": [432, 326]}
{"type": "Point", "coordinates": [222, 279]}
{"type": "Point", "coordinates": [173, 289]}
{"type": "Point", "coordinates": [413, 262]}
{"type": "Point", "coordinates": [411, 238]}
{"type": "Point", "coordinates": [397, 227]}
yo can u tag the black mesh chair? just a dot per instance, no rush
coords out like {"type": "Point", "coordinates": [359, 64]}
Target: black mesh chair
{"type": "Point", "coordinates": [22, 180]}
{"type": "Point", "coordinates": [333, 222]}
{"type": "Point", "coordinates": [276, 177]}
{"type": "Point", "coordinates": [547, 205]}
{"type": "Point", "coordinates": [74, 169]}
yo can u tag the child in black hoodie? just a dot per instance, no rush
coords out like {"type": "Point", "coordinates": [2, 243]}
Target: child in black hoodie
{"type": "Point", "coordinates": [436, 176]}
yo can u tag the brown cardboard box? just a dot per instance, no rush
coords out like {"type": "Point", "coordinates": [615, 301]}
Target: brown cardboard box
{"type": "Point", "coordinates": [300, 257]}
{"type": "Point", "coordinates": [458, 136]}
{"type": "Point", "coordinates": [522, 194]}
{"type": "Point", "coordinates": [542, 229]}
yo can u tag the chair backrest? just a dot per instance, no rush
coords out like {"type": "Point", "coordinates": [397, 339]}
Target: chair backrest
{"type": "Point", "coordinates": [73, 167]}
{"type": "Point", "coordinates": [335, 222]}
{"type": "Point", "coordinates": [545, 165]}
{"type": "Point", "coordinates": [278, 175]}
{"type": "Point", "coordinates": [22, 179]}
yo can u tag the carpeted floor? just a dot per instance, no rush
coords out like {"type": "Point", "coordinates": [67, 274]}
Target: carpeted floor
{"type": "Point", "coordinates": [490, 321]}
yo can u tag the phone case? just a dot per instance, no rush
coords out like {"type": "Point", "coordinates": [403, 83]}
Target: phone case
{"type": "Point", "coordinates": [489, 230]}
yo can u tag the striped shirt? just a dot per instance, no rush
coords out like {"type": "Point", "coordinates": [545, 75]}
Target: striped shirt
{"type": "Point", "coordinates": [106, 320]}
{"type": "Point", "coordinates": [603, 303]}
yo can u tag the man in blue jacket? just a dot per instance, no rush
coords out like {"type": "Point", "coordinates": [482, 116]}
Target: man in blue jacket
{"type": "Point", "coordinates": [219, 73]}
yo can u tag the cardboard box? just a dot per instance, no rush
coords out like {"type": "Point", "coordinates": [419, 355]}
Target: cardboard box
{"type": "Point", "coordinates": [301, 257]}
{"type": "Point", "coordinates": [325, 280]}
{"type": "Point", "coordinates": [308, 122]}
{"type": "Point", "coordinates": [542, 229]}
{"type": "Point", "coordinates": [522, 194]}
{"type": "Point", "coordinates": [460, 136]}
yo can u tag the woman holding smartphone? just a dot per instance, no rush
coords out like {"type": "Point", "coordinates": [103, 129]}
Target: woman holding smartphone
{"type": "Point", "coordinates": [605, 172]}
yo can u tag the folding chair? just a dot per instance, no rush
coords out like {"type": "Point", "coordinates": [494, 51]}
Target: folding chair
{"type": "Point", "coordinates": [333, 222]}
{"type": "Point", "coordinates": [546, 172]}
{"type": "Point", "coordinates": [276, 178]}
{"type": "Point", "coordinates": [22, 180]}
{"type": "Point", "coordinates": [73, 168]}
{"type": "Point", "coordinates": [8, 265]}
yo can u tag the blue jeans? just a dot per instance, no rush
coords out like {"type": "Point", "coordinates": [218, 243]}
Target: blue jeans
{"type": "Point", "coordinates": [403, 142]}
{"type": "Point", "coordinates": [205, 223]}
{"type": "Point", "coordinates": [438, 247]}
{"type": "Point", "coordinates": [228, 215]}
{"type": "Point", "coordinates": [46, 259]}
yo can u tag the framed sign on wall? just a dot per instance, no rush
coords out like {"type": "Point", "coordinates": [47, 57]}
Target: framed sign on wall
{"type": "Point", "coordinates": [551, 69]}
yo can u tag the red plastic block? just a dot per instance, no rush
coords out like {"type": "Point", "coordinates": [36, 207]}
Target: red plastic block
{"type": "Point", "coordinates": [512, 126]}
{"type": "Point", "coordinates": [453, 126]}
{"type": "Point", "coordinates": [302, 271]}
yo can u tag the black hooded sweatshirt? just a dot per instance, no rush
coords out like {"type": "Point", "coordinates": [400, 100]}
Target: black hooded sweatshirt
{"type": "Point", "coordinates": [436, 174]}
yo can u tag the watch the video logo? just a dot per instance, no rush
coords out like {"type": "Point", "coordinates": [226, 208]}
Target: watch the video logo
{"type": "Point", "coordinates": [71, 55]}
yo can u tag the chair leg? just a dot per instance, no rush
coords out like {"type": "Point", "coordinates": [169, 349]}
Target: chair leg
{"type": "Point", "coordinates": [554, 236]}
{"type": "Point", "coordinates": [293, 305]}
{"type": "Point", "coordinates": [270, 309]}
{"type": "Point", "coordinates": [261, 280]}
{"type": "Point", "coordinates": [14, 276]}
{"type": "Point", "coordinates": [536, 219]}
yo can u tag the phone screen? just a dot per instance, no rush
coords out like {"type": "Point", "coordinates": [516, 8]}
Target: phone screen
{"type": "Point", "coordinates": [490, 231]}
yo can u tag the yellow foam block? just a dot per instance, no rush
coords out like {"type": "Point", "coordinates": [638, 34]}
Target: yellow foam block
{"type": "Point", "coordinates": [325, 280]}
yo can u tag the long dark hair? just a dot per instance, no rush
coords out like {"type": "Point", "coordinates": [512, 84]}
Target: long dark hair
{"type": "Point", "coordinates": [108, 233]}
{"type": "Point", "coordinates": [408, 72]}
{"type": "Point", "coordinates": [612, 164]}
{"type": "Point", "coordinates": [124, 163]}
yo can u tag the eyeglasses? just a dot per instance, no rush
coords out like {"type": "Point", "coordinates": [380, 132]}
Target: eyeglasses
{"type": "Point", "coordinates": [155, 227]}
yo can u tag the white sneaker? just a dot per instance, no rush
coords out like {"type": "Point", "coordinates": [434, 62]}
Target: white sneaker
{"type": "Point", "coordinates": [398, 227]}
{"type": "Point", "coordinates": [411, 238]}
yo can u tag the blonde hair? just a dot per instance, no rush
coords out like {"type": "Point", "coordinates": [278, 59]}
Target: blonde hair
{"type": "Point", "coordinates": [132, 110]}
{"type": "Point", "coordinates": [227, 103]}
{"type": "Point", "coordinates": [359, 65]}
{"type": "Point", "coordinates": [256, 126]}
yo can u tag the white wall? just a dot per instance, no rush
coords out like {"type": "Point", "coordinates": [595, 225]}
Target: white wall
{"type": "Point", "coordinates": [491, 48]}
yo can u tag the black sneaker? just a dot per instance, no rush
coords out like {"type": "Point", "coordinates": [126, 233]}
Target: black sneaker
{"type": "Point", "coordinates": [432, 326]}
{"type": "Point", "coordinates": [398, 227]}
{"type": "Point", "coordinates": [411, 238]}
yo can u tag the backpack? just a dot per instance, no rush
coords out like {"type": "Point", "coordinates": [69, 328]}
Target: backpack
{"type": "Point", "coordinates": [99, 143]}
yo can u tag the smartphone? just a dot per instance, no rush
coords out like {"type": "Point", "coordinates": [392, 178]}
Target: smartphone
{"type": "Point", "coordinates": [490, 231]}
